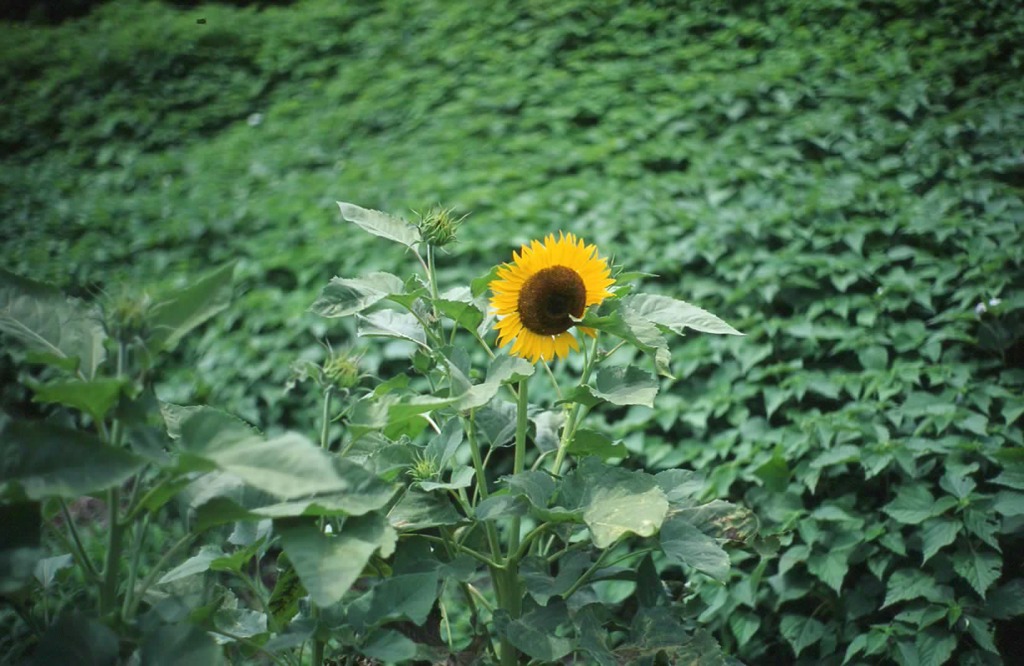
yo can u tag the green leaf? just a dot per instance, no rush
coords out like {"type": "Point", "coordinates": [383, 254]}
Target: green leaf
{"type": "Point", "coordinates": [535, 633]}
{"type": "Point", "coordinates": [47, 568]}
{"type": "Point", "coordinates": [680, 485]}
{"type": "Point", "coordinates": [980, 568]}
{"type": "Point", "coordinates": [42, 460]}
{"type": "Point", "coordinates": [502, 506]}
{"type": "Point", "coordinates": [685, 544]}
{"type": "Point", "coordinates": [75, 639]}
{"type": "Point", "coordinates": [389, 646]}
{"type": "Point", "coordinates": [405, 596]}
{"type": "Point", "coordinates": [743, 626]}
{"type": "Point", "coordinates": [830, 567]}
{"type": "Point", "coordinates": [801, 632]}
{"type": "Point", "coordinates": [503, 369]}
{"type": "Point", "coordinates": [291, 467]}
{"type": "Point", "coordinates": [391, 324]}
{"type": "Point", "coordinates": [676, 315]}
{"type": "Point", "coordinates": [48, 322]}
{"type": "Point", "coordinates": [1006, 601]}
{"type": "Point", "coordinates": [95, 397]}
{"type": "Point", "coordinates": [328, 565]}
{"type": "Point", "coordinates": [587, 442]}
{"type": "Point", "coordinates": [914, 504]}
{"type": "Point", "coordinates": [625, 323]}
{"type": "Point", "coordinates": [342, 296]}
{"type": "Point", "coordinates": [873, 358]}
{"type": "Point", "coordinates": [174, 317]}
{"type": "Point", "coordinates": [197, 564]}
{"type": "Point", "coordinates": [618, 501]}
{"type": "Point", "coordinates": [240, 622]}
{"type": "Point", "coordinates": [839, 455]}
{"type": "Point", "coordinates": [721, 520]}
{"type": "Point", "coordinates": [981, 632]}
{"type": "Point", "coordinates": [457, 304]}
{"type": "Point", "coordinates": [380, 224]}
{"type": "Point", "coordinates": [478, 286]}
{"type": "Point", "coordinates": [937, 534]}
{"type": "Point", "coordinates": [774, 472]}
{"type": "Point", "coordinates": [907, 584]}
{"type": "Point", "coordinates": [935, 647]}
{"type": "Point", "coordinates": [419, 510]}
{"type": "Point", "coordinates": [625, 385]}
{"type": "Point", "coordinates": [179, 645]}
{"type": "Point", "coordinates": [1009, 503]}
{"type": "Point", "coordinates": [21, 547]}
{"type": "Point", "coordinates": [650, 590]}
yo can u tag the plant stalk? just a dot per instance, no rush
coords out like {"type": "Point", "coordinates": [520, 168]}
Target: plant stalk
{"type": "Point", "coordinates": [571, 423]}
{"type": "Point", "coordinates": [507, 582]}
{"type": "Point", "coordinates": [325, 423]}
{"type": "Point", "coordinates": [115, 533]}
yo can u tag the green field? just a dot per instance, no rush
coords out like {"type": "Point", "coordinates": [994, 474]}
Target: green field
{"type": "Point", "coordinates": [843, 182]}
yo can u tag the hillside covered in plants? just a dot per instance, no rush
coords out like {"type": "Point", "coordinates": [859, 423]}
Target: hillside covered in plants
{"type": "Point", "coordinates": [843, 182]}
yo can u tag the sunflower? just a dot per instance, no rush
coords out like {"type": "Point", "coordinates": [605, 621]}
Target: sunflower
{"type": "Point", "coordinates": [539, 294]}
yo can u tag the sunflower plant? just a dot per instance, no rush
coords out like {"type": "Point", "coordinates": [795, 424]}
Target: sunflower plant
{"type": "Point", "coordinates": [450, 504]}
{"type": "Point", "coordinates": [521, 534]}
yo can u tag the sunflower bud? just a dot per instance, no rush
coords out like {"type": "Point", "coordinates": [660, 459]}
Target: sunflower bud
{"type": "Point", "coordinates": [125, 315]}
{"type": "Point", "coordinates": [342, 370]}
{"type": "Point", "coordinates": [438, 227]}
{"type": "Point", "coordinates": [423, 469]}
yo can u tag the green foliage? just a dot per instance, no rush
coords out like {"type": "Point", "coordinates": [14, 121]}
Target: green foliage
{"type": "Point", "coordinates": [844, 182]}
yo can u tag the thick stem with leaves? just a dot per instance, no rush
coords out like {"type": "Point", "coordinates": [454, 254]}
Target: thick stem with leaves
{"type": "Point", "coordinates": [115, 528]}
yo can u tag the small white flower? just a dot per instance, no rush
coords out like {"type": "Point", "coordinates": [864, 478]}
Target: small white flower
{"type": "Point", "coordinates": [980, 309]}
{"type": "Point", "coordinates": [254, 119]}
{"type": "Point", "coordinates": [994, 302]}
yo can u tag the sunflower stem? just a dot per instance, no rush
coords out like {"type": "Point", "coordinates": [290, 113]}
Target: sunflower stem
{"type": "Point", "coordinates": [511, 593]}
{"type": "Point", "coordinates": [575, 413]}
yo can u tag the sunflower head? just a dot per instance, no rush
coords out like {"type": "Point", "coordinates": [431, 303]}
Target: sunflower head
{"type": "Point", "coordinates": [539, 295]}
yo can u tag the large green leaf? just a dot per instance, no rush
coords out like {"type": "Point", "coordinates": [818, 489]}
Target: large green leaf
{"type": "Point", "coordinates": [389, 646]}
{"type": "Point", "coordinates": [801, 632]}
{"type": "Point", "coordinates": [617, 501]}
{"type": "Point", "coordinates": [675, 315]}
{"type": "Point", "coordinates": [380, 224]}
{"type": "Point", "coordinates": [343, 296]}
{"type": "Point", "coordinates": [980, 567]}
{"type": "Point", "coordinates": [914, 504]}
{"type": "Point", "coordinates": [293, 468]}
{"type": "Point", "coordinates": [179, 645]}
{"type": "Point", "coordinates": [625, 385]}
{"type": "Point", "coordinates": [21, 547]}
{"type": "Point", "coordinates": [46, 321]}
{"type": "Point", "coordinates": [41, 460]}
{"type": "Point", "coordinates": [95, 397]}
{"type": "Point", "coordinates": [623, 322]}
{"type": "Point", "coordinates": [75, 639]}
{"type": "Point", "coordinates": [405, 596]}
{"type": "Point", "coordinates": [685, 544]}
{"type": "Point", "coordinates": [391, 324]}
{"type": "Point", "coordinates": [328, 564]}
{"type": "Point", "coordinates": [172, 318]}
{"type": "Point", "coordinates": [537, 632]}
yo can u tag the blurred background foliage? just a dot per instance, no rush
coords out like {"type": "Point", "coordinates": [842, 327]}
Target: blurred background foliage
{"type": "Point", "coordinates": [840, 180]}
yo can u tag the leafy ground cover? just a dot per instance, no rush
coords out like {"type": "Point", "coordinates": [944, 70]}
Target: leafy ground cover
{"type": "Point", "coordinates": [841, 181]}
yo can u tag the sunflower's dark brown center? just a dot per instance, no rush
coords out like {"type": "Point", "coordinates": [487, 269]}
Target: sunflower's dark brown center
{"type": "Point", "coordinates": [549, 297]}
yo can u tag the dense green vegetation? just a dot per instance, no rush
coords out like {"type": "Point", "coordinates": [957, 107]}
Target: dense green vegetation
{"type": "Point", "coordinates": [841, 181]}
